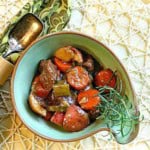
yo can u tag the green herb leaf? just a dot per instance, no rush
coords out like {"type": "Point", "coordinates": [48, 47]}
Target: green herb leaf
{"type": "Point", "coordinates": [118, 110]}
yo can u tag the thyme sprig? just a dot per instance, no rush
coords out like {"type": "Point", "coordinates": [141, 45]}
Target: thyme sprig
{"type": "Point", "coordinates": [118, 110]}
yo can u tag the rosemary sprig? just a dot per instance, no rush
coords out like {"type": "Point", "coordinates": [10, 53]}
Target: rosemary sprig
{"type": "Point", "coordinates": [118, 110]}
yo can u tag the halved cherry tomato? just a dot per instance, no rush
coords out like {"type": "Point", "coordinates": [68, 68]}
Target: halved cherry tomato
{"type": "Point", "coordinates": [89, 99]}
{"type": "Point", "coordinates": [62, 66]}
{"type": "Point", "coordinates": [78, 78]}
{"type": "Point", "coordinates": [38, 88]}
{"type": "Point", "coordinates": [105, 77]}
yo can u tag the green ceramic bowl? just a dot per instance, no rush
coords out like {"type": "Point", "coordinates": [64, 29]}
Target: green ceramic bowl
{"type": "Point", "coordinates": [26, 68]}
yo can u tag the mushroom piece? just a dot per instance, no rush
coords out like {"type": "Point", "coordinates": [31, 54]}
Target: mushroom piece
{"type": "Point", "coordinates": [36, 107]}
{"type": "Point", "coordinates": [48, 74]}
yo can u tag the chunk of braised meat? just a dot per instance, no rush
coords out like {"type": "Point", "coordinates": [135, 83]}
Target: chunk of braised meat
{"type": "Point", "coordinates": [89, 63]}
{"type": "Point", "coordinates": [59, 75]}
{"type": "Point", "coordinates": [60, 103]}
{"type": "Point", "coordinates": [56, 103]}
{"type": "Point", "coordinates": [93, 114]}
{"type": "Point", "coordinates": [48, 74]}
{"type": "Point", "coordinates": [52, 100]}
{"type": "Point", "coordinates": [71, 99]}
{"type": "Point", "coordinates": [41, 65]}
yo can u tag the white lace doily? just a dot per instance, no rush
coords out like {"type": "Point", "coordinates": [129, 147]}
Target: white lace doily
{"type": "Point", "coordinates": [122, 25]}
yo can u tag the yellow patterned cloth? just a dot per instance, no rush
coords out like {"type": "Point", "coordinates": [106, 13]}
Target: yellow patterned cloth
{"type": "Point", "coordinates": [122, 25]}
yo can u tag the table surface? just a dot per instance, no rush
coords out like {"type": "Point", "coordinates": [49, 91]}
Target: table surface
{"type": "Point", "coordinates": [124, 26]}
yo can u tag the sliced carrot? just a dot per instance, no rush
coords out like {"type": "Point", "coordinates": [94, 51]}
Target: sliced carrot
{"type": "Point", "coordinates": [105, 77]}
{"type": "Point", "coordinates": [62, 66]}
{"type": "Point", "coordinates": [89, 99]}
{"type": "Point", "coordinates": [78, 78]}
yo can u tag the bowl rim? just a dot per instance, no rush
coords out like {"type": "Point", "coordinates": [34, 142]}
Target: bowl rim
{"type": "Point", "coordinates": [132, 136]}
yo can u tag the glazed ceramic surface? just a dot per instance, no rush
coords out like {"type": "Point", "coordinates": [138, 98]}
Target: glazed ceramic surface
{"type": "Point", "coordinates": [26, 68]}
